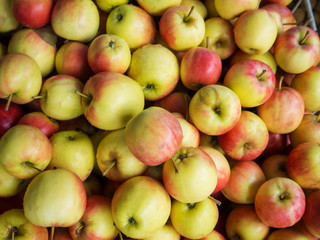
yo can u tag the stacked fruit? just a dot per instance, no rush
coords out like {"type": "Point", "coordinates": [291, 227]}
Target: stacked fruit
{"type": "Point", "coordinates": [168, 119]}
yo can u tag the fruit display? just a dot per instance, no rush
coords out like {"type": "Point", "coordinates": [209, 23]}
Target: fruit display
{"type": "Point", "coordinates": [159, 120]}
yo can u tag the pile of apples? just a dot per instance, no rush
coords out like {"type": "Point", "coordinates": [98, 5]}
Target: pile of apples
{"type": "Point", "coordinates": [167, 119]}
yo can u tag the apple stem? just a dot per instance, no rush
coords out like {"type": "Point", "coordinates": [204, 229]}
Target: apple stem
{"type": "Point", "coordinates": [8, 103]}
{"type": "Point", "coordinates": [81, 94]}
{"type": "Point", "coordinates": [108, 169]}
{"type": "Point", "coordinates": [304, 38]}
{"type": "Point", "coordinates": [120, 234]}
{"type": "Point", "coordinates": [318, 118]}
{"type": "Point", "coordinates": [52, 233]}
{"type": "Point", "coordinates": [175, 166]}
{"type": "Point", "coordinates": [29, 164]}
{"type": "Point", "coordinates": [13, 232]}
{"type": "Point", "coordinates": [247, 145]}
{"type": "Point", "coordinates": [215, 200]}
{"type": "Point", "coordinates": [280, 82]}
{"type": "Point", "coordinates": [207, 41]}
{"type": "Point", "coordinates": [283, 195]}
{"type": "Point", "coordinates": [261, 74]}
{"type": "Point", "coordinates": [186, 18]}
{"type": "Point", "coordinates": [289, 24]}
{"type": "Point", "coordinates": [77, 232]}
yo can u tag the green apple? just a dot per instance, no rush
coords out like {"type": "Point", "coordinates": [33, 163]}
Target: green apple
{"type": "Point", "coordinates": [109, 5]}
{"type": "Point", "coordinates": [25, 151]}
{"type": "Point", "coordinates": [55, 198]}
{"type": "Point", "coordinates": [156, 69]}
{"type": "Point", "coordinates": [140, 206]}
{"type": "Point", "coordinates": [231, 9]}
{"type": "Point", "coordinates": [8, 22]}
{"type": "Point", "coordinates": [167, 232]}
{"type": "Point", "coordinates": [72, 150]}
{"type": "Point", "coordinates": [9, 185]}
{"type": "Point", "coordinates": [157, 8]}
{"type": "Point", "coordinates": [194, 220]}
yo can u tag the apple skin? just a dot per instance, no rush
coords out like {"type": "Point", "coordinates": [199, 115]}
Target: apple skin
{"type": "Point", "coordinates": [108, 6]}
{"type": "Point", "coordinates": [243, 223]}
{"type": "Point", "coordinates": [213, 235]}
{"type": "Point", "coordinates": [32, 13]}
{"type": "Point", "coordinates": [214, 109]}
{"type": "Point", "coordinates": [280, 202]}
{"type": "Point", "coordinates": [20, 151]}
{"type": "Point", "coordinates": [55, 198]}
{"type": "Point", "coordinates": [277, 144]}
{"type": "Point", "coordinates": [9, 22]}
{"type": "Point", "coordinates": [312, 213]}
{"type": "Point", "coordinates": [301, 228]}
{"type": "Point", "coordinates": [287, 233]}
{"type": "Point", "coordinates": [302, 165]}
{"type": "Point", "coordinates": [47, 125]}
{"type": "Point", "coordinates": [247, 139]}
{"type": "Point", "coordinates": [9, 118]}
{"type": "Point", "coordinates": [275, 166]}
{"type": "Point", "coordinates": [15, 218]}
{"type": "Point", "coordinates": [245, 179]}
{"type": "Point", "coordinates": [231, 9]}
{"type": "Point", "coordinates": [210, 141]}
{"type": "Point", "coordinates": [166, 232]}
{"type": "Point", "coordinates": [129, 204]}
{"type": "Point", "coordinates": [198, 6]}
{"type": "Point", "coordinates": [295, 55]}
{"type": "Point", "coordinates": [200, 67]}
{"type": "Point", "coordinates": [159, 7]}
{"type": "Point", "coordinates": [61, 233]}
{"type": "Point", "coordinates": [282, 2]}
{"type": "Point", "coordinates": [9, 185]}
{"type": "Point", "coordinates": [151, 132]}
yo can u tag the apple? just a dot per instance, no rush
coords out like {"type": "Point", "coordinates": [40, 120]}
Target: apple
{"type": "Point", "coordinates": [275, 166]}
{"type": "Point", "coordinates": [153, 136]}
{"type": "Point", "coordinates": [156, 69]}
{"type": "Point", "coordinates": [109, 5]}
{"type": "Point", "coordinates": [245, 179]}
{"type": "Point", "coordinates": [255, 31]}
{"type": "Point", "coordinates": [93, 185]}
{"type": "Point", "coordinates": [115, 160]}
{"type": "Point", "coordinates": [47, 125]}
{"type": "Point", "coordinates": [9, 22]}
{"type": "Point", "coordinates": [211, 8]}
{"type": "Point", "coordinates": [9, 185]}
{"type": "Point", "coordinates": [198, 6]}
{"type": "Point", "coordinates": [129, 204]}
{"type": "Point", "coordinates": [232, 9]}
{"type": "Point", "coordinates": [243, 223]}
{"type": "Point", "coordinates": [213, 235]}
{"type": "Point", "coordinates": [110, 53]}
{"type": "Point", "coordinates": [181, 27]}
{"type": "Point", "coordinates": [78, 124]}
{"type": "Point", "coordinates": [283, 2]}
{"type": "Point", "coordinates": [190, 175]}
{"type": "Point", "coordinates": [195, 219]}
{"type": "Point", "coordinates": [280, 202]}
{"type": "Point", "coordinates": [76, 20]}
{"type": "Point", "coordinates": [200, 67]}
{"type": "Point", "coordinates": [55, 198]}
{"type": "Point", "coordinates": [25, 151]}
{"type": "Point", "coordinates": [14, 225]}
{"type": "Point", "coordinates": [297, 49]}
{"type": "Point", "coordinates": [312, 213]}
{"type": "Point", "coordinates": [9, 117]}
{"type": "Point", "coordinates": [71, 59]}
{"type": "Point", "coordinates": [210, 141]}
{"type": "Point", "coordinates": [96, 222]}
{"type": "Point", "coordinates": [301, 228]}
{"type": "Point", "coordinates": [61, 233]}
{"type": "Point", "coordinates": [111, 100]}
{"type": "Point", "coordinates": [166, 232]}
{"type": "Point", "coordinates": [287, 233]}
{"type": "Point", "coordinates": [219, 37]}
{"type": "Point", "coordinates": [214, 109]}
{"type": "Point", "coordinates": [302, 165]}
{"type": "Point", "coordinates": [157, 8]}
{"type": "Point", "coordinates": [277, 144]}
{"type": "Point", "coordinates": [133, 24]}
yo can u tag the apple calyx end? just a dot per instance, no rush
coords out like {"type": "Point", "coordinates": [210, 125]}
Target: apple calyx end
{"type": "Point", "coordinates": [191, 205]}
{"type": "Point", "coordinates": [112, 44]}
{"type": "Point", "coordinates": [131, 220]}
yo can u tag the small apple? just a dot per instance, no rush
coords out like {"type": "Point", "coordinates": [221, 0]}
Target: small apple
{"type": "Point", "coordinates": [275, 166]}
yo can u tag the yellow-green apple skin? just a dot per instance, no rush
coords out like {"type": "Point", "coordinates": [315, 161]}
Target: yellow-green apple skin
{"type": "Point", "coordinates": [157, 8]}
{"type": "Point", "coordinates": [156, 69]}
{"type": "Point", "coordinates": [311, 215]}
{"type": "Point", "coordinates": [198, 6]}
{"type": "Point", "coordinates": [14, 225]}
{"type": "Point", "coordinates": [115, 160]}
{"type": "Point", "coordinates": [109, 52]}
{"type": "Point", "coordinates": [40, 44]}
{"type": "Point", "coordinates": [190, 175]}
{"type": "Point", "coordinates": [297, 49]}
{"type": "Point", "coordinates": [211, 8]}
{"type": "Point", "coordinates": [213, 235]}
{"type": "Point", "coordinates": [220, 37]}
{"type": "Point", "coordinates": [9, 22]}
{"type": "Point", "coordinates": [65, 21]}
{"type": "Point", "coordinates": [109, 5]}
{"type": "Point", "coordinates": [114, 99]}
{"type": "Point", "coordinates": [255, 31]}
{"type": "Point", "coordinates": [194, 220]}
{"type": "Point", "coordinates": [251, 78]}
{"type": "Point", "coordinates": [307, 84]}
{"type": "Point", "coordinates": [55, 198]}
{"type": "Point", "coordinates": [20, 76]}
{"type": "Point", "coordinates": [243, 222]}
{"type": "Point", "coordinates": [72, 150]}
{"type": "Point", "coordinates": [287, 233]}
{"type": "Point", "coordinates": [25, 151]}
{"type": "Point", "coordinates": [133, 24]}
{"type": "Point", "coordinates": [246, 177]}
{"type": "Point", "coordinates": [96, 222]}
{"type": "Point", "coordinates": [180, 28]}
{"type": "Point", "coordinates": [166, 232]}
{"type": "Point", "coordinates": [275, 166]}
{"type": "Point", "coordinates": [59, 99]}
{"type": "Point", "coordinates": [230, 9]}
{"type": "Point", "coordinates": [9, 185]}
{"type": "Point", "coordinates": [154, 135]}
{"type": "Point", "coordinates": [140, 206]}
{"type": "Point", "coordinates": [214, 109]}
{"type": "Point", "coordinates": [267, 58]}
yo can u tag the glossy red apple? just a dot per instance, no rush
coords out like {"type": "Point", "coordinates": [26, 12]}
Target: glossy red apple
{"type": "Point", "coordinates": [10, 117]}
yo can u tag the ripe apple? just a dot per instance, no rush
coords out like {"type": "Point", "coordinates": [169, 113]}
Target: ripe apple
{"type": "Point", "coordinates": [287, 233]}
{"type": "Point", "coordinates": [111, 100]}
{"type": "Point", "coordinates": [211, 8]}
{"type": "Point", "coordinates": [61, 233]}
{"type": "Point", "coordinates": [181, 27]}
{"type": "Point", "coordinates": [9, 185]}
{"type": "Point", "coordinates": [55, 198]}
{"type": "Point", "coordinates": [153, 136]}
{"type": "Point", "coordinates": [156, 69]}
{"type": "Point", "coordinates": [312, 213]}
{"type": "Point", "coordinates": [243, 223]}
{"type": "Point", "coordinates": [200, 67]}
{"type": "Point", "coordinates": [195, 219]}
{"type": "Point", "coordinates": [9, 117]}
{"type": "Point", "coordinates": [275, 166]}
{"type": "Point", "coordinates": [245, 179]}
{"type": "Point", "coordinates": [214, 109]}
{"type": "Point", "coordinates": [277, 144]}
{"type": "Point", "coordinates": [210, 141]}
{"type": "Point", "coordinates": [76, 20]}
{"type": "Point", "coordinates": [301, 228]}
{"type": "Point", "coordinates": [157, 8]}
{"type": "Point", "coordinates": [231, 9]}
{"type": "Point", "coordinates": [255, 31]}
{"type": "Point", "coordinates": [9, 22]}
{"type": "Point", "coordinates": [280, 202]}
{"type": "Point", "coordinates": [133, 24]}
{"type": "Point", "coordinates": [190, 175]}
{"type": "Point", "coordinates": [109, 5]}
{"type": "Point", "coordinates": [129, 204]}
{"type": "Point", "coordinates": [166, 232]}
{"type": "Point", "coordinates": [25, 151]}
